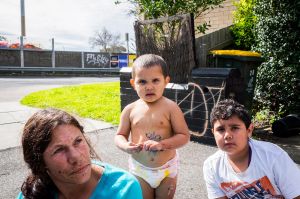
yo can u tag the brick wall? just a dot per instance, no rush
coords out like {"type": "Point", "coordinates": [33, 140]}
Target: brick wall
{"type": "Point", "coordinates": [219, 17]}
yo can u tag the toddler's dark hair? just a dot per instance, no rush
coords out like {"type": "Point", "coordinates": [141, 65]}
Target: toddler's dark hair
{"type": "Point", "coordinates": [149, 60]}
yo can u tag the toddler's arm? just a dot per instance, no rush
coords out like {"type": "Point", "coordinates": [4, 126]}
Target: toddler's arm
{"type": "Point", "coordinates": [121, 138]}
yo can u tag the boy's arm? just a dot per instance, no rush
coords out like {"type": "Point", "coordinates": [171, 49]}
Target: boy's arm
{"type": "Point", "coordinates": [212, 188]}
{"type": "Point", "coordinates": [121, 138]}
{"type": "Point", "coordinates": [179, 127]}
{"type": "Point", "coordinates": [287, 175]}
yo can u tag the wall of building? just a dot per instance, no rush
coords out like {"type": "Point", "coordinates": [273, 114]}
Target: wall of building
{"type": "Point", "coordinates": [218, 35]}
{"type": "Point", "coordinates": [218, 18]}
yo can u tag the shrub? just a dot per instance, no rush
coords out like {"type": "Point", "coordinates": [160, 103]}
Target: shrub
{"type": "Point", "coordinates": [264, 118]}
{"type": "Point", "coordinates": [278, 39]}
{"type": "Point", "coordinates": [243, 24]}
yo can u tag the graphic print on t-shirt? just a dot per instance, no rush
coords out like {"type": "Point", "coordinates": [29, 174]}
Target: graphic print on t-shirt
{"type": "Point", "coordinates": [261, 188]}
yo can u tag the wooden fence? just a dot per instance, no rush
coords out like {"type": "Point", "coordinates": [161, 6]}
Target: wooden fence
{"type": "Point", "coordinates": [212, 41]}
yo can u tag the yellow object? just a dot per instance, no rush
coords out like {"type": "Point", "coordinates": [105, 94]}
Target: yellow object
{"type": "Point", "coordinates": [167, 173]}
{"type": "Point", "coordinates": [236, 52]}
{"type": "Point", "coordinates": [131, 58]}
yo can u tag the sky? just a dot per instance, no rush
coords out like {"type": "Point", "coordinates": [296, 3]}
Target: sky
{"type": "Point", "coordinates": [70, 22]}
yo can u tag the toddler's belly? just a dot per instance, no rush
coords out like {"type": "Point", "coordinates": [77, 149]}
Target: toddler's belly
{"type": "Point", "coordinates": [154, 159]}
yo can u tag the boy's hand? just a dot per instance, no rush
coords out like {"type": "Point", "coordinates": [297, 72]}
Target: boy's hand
{"type": "Point", "coordinates": [151, 145]}
{"type": "Point", "coordinates": [133, 148]}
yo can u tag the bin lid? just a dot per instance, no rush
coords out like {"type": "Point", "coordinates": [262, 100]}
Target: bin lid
{"type": "Point", "coordinates": [215, 72]}
{"type": "Point", "coordinates": [126, 70]}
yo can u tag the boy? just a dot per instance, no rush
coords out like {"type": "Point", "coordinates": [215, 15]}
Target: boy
{"type": "Point", "coordinates": [243, 167]}
{"type": "Point", "coordinates": [157, 128]}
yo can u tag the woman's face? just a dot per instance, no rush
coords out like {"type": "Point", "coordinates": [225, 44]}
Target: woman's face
{"type": "Point", "coordinates": [67, 157]}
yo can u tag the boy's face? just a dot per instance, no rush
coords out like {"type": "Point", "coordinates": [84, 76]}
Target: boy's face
{"type": "Point", "coordinates": [149, 83]}
{"type": "Point", "coordinates": [232, 135]}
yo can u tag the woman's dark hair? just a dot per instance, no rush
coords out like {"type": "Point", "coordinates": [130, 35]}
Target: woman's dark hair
{"type": "Point", "coordinates": [225, 109]}
{"type": "Point", "coordinates": [36, 137]}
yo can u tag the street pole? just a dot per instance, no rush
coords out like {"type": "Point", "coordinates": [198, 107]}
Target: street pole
{"type": "Point", "coordinates": [127, 40]}
{"type": "Point", "coordinates": [23, 32]}
{"type": "Point", "coordinates": [53, 53]}
{"type": "Point", "coordinates": [22, 51]}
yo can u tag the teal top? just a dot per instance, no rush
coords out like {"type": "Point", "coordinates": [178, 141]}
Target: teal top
{"type": "Point", "coordinates": [114, 183]}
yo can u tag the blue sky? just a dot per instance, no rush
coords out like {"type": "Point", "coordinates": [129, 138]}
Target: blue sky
{"type": "Point", "coordinates": [70, 22]}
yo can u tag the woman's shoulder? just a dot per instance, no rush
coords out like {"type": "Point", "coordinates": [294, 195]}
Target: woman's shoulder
{"type": "Point", "coordinates": [116, 183]}
{"type": "Point", "coordinates": [114, 172]}
{"type": "Point", "coordinates": [20, 196]}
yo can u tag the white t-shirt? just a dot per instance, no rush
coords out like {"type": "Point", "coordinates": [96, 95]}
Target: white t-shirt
{"type": "Point", "coordinates": [271, 174]}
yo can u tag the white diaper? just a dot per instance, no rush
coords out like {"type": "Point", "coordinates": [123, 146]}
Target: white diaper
{"type": "Point", "coordinates": [154, 176]}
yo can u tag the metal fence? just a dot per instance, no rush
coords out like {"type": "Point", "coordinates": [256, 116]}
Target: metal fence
{"type": "Point", "coordinates": [13, 60]}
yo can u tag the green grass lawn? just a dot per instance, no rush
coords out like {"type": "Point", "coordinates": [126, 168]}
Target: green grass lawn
{"type": "Point", "coordinates": [98, 101]}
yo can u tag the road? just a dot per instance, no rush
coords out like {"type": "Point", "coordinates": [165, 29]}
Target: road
{"type": "Point", "coordinates": [13, 89]}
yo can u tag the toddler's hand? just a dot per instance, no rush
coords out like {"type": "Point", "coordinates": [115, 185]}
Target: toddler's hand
{"type": "Point", "coordinates": [133, 148]}
{"type": "Point", "coordinates": [151, 145]}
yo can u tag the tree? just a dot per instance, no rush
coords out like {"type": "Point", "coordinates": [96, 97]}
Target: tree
{"type": "Point", "coordinates": [243, 24]}
{"type": "Point", "coordinates": [2, 38]}
{"type": "Point", "coordinates": [107, 41]}
{"type": "Point", "coordinates": [278, 39]}
{"type": "Point", "coordinates": [150, 9]}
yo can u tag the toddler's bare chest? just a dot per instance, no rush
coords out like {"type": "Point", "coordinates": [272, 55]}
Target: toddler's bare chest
{"type": "Point", "coordinates": [150, 120]}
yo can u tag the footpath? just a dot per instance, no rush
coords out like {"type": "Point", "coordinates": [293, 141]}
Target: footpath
{"type": "Point", "coordinates": [13, 116]}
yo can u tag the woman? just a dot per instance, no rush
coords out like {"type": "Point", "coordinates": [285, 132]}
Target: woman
{"type": "Point", "coordinates": [59, 157]}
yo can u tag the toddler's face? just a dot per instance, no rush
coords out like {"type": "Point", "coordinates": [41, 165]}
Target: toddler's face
{"type": "Point", "coordinates": [232, 135]}
{"type": "Point", "coordinates": [149, 83]}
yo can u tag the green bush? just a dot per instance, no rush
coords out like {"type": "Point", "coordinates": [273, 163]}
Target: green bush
{"type": "Point", "coordinates": [264, 118]}
{"type": "Point", "coordinates": [243, 24]}
{"type": "Point", "coordinates": [278, 39]}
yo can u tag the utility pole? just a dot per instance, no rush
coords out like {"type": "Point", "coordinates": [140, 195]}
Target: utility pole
{"type": "Point", "coordinates": [23, 32]}
{"type": "Point", "coordinates": [127, 40]}
{"type": "Point", "coordinates": [53, 53]}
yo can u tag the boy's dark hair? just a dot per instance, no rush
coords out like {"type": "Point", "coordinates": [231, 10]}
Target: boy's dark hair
{"type": "Point", "coordinates": [228, 108]}
{"type": "Point", "coordinates": [149, 60]}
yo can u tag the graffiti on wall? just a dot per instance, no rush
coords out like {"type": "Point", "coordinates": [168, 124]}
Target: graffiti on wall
{"type": "Point", "coordinates": [97, 60]}
{"type": "Point", "coordinates": [196, 102]}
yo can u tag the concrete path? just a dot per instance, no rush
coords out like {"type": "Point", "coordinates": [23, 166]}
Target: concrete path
{"type": "Point", "coordinates": [13, 115]}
